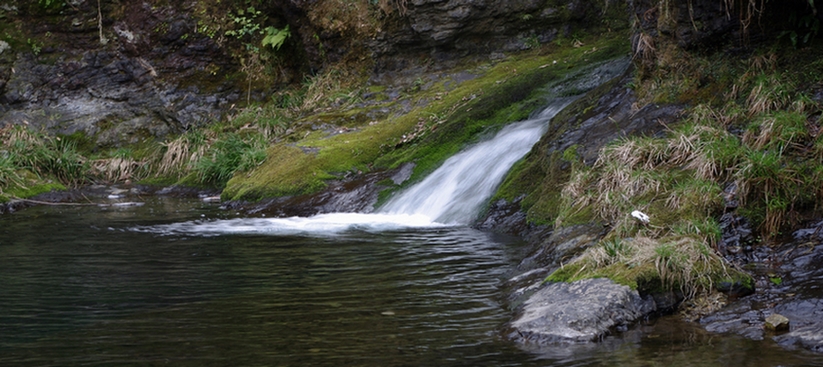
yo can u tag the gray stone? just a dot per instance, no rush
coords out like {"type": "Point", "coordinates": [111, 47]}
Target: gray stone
{"type": "Point", "coordinates": [581, 311]}
{"type": "Point", "coordinates": [777, 322]}
{"type": "Point", "coordinates": [809, 337]}
{"type": "Point", "coordinates": [798, 298]}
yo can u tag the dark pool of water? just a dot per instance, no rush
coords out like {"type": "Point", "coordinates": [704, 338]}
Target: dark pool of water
{"type": "Point", "coordinates": [80, 287]}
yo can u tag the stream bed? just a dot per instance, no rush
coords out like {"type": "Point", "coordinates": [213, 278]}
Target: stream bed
{"type": "Point", "coordinates": [146, 286]}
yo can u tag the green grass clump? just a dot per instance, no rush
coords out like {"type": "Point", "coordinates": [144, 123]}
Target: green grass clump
{"type": "Point", "coordinates": [8, 172]}
{"type": "Point", "coordinates": [48, 157]}
{"type": "Point", "coordinates": [683, 263]}
{"type": "Point", "coordinates": [229, 155]}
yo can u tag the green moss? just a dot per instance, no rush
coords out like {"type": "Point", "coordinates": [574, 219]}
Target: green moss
{"type": "Point", "coordinates": [566, 273]}
{"type": "Point", "coordinates": [27, 184]}
{"type": "Point", "coordinates": [641, 278]}
{"type": "Point", "coordinates": [158, 181]}
{"type": "Point", "coordinates": [287, 171]}
{"type": "Point", "coordinates": [570, 154]}
{"type": "Point", "coordinates": [35, 189]}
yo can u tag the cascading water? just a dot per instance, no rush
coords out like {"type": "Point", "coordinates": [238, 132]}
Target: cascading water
{"type": "Point", "coordinates": [452, 195]}
{"type": "Point", "coordinates": [455, 192]}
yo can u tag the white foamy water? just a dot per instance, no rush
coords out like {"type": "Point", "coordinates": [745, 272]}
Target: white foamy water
{"type": "Point", "coordinates": [320, 224]}
{"type": "Point", "coordinates": [455, 192]}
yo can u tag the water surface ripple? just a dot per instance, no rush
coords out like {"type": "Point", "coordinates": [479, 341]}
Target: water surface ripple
{"type": "Point", "coordinates": [139, 286]}
{"type": "Point", "coordinates": [85, 291]}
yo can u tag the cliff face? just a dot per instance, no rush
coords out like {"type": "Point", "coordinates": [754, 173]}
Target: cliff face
{"type": "Point", "coordinates": [402, 34]}
{"type": "Point", "coordinates": [130, 81]}
{"type": "Point", "coordinates": [446, 30]}
{"type": "Point", "coordinates": [132, 71]}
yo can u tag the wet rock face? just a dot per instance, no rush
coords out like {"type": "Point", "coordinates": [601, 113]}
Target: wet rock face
{"type": "Point", "coordinates": [446, 30]}
{"type": "Point", "coordinates": [137, 86]}
{"type": "Point", "coordinates": [708, 24]}
{"type": "Point", "coordinates": [690, 24]}
{"type": "Point", "coordinates": [357, 193]}
{"type": "Point", "coordinates": [737, 239]}
{"type": "Point", "coordinates": [789, 284]}
{"type": "Point", "coordinates": [581, 311]}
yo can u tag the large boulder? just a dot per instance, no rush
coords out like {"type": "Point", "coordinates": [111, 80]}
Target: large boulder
{"type": "Point", "coordinates": [581, 311]}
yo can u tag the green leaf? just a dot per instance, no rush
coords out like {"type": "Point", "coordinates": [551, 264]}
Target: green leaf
{"type": "Point", "coordinates": [276, 37]}
{"type": "Point", "coordinates": [776, 280]}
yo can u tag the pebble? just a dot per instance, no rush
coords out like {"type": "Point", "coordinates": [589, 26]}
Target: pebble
{"type": "Point", "coordinates": [777, 322]}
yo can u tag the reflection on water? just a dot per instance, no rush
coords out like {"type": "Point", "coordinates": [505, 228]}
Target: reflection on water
{"type": "Point", "coordinates": [81, 286]}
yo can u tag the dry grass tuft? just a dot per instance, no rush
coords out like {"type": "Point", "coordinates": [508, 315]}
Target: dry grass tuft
{"type": "Point", "coordinates": [117, 169]}
{"type": "Point", "coordinates": [760, 64]}
{"type": "Point", "coordinates": [684, 263]}
{"type": "Point", "coordinates": [180, 156]}
{"type": "Point", "coordinates": [633, 173]}
{"type": "Point", "coordinates": [645, 50]}
{"type": "Point", "coordinates": [389, 6]}
{"type": "Point", "coordinates": [346, 17]}
{"type": "Point", "coordinates": [768, 95]}
{"type": "Point", "coordinates": [748, 11]}
{"type": "Point", "coordinates": [331, 90]}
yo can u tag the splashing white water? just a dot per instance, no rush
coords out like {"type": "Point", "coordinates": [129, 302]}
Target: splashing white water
{"type": "Point", "coordinates": [455, 192]}
{"type": "Point", "coordinates": [321, 224]}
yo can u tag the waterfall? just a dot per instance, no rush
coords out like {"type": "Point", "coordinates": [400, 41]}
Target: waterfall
{"type": "Point", "coordinates": [455, 192]}
{"type": "Point", "coordinates": [452, 195]}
